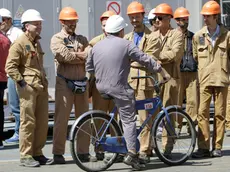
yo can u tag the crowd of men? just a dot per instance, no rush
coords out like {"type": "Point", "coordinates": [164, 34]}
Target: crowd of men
{"type": "Point", "coordinates": [197, 68]}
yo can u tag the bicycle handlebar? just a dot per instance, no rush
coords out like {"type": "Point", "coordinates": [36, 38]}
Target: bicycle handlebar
{"type": "Point", "coordinates": [157, 84]}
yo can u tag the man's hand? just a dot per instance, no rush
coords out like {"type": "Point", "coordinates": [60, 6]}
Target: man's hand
{"type": "Point", "coordinates": [166, 77]}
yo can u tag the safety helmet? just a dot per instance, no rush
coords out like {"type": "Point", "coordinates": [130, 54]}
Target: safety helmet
{"type": "Point", "coordinates": [181, 12]}
{"type": "Point", "coordinates": [31, 15]}
{"type": "Point", "coordinates": [68, 13]}
{"type": "Point", "coordinates": [151, 14]}
{"type": "Point", "coordinates": [107, 14]}
{"type": "Point", "coordinates": [5, 13]}
{"type": "Point", "coordinates": [115, 24]}
{"type": "Point", "coordinates": [210, 8]}
{"type": "Point", "coordinates": [135, 7]}
{"type": "Point", "coordinates": [164, 9]}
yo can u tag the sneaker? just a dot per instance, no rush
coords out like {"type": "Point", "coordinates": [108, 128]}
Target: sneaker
{"type": "Point", "coordinates": [29, 162]}
{"type": "Point", "coordinates": [144, 158]}
{"type": "Point", "coordinates": [87, 158]}
{"type": "Point", "coordinates": [132, 160]}
{"type": "Point", "coordinates": [201, 153]}
{"type": "Point", "coordinates": [43, 160]}
{"type": "Point", "coordinates": [13, 139]}
{"type": "Point", "coordinates": [57, 159]}
{"type": "Point", "coordinates": [216, 153]}
{"type": "Point", "coordinates": [1, 145]}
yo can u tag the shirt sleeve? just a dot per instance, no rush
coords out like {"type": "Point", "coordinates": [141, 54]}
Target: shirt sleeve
{"type": "Point", "coordinates": [13, 62]}
{"type": "Point", "coordinates": [62, 53]}
{"type": "Point", "coordinates": [89, 62]}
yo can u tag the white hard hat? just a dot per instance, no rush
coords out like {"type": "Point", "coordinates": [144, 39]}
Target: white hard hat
{"type": "Point", "coordinates": [31, 15]}
{"type": "Point", "coordinates": [151, 15]}
{"type": "Point", "coordinates": [114, 24]}
{"type": "Point", "coordinates": [0, 19]}
{"type": "Point", "coordinates": [5, 13]}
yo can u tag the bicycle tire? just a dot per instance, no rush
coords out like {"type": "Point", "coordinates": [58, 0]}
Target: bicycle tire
{"type": "Point", "coordinates": [93, 114]}
{"type": "Point", "coordinates": [154, 133]}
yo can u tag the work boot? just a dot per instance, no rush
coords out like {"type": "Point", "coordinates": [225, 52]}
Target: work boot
{"type": "Point", "coordinates": [100, 156]}
{"type": "Point", "coordinates": [216, 153]}
{"type": "Point", "coordinates": [57, 159]}
{"type": "Point", "coordinates": [29, 162]}
{"type": "Point", "coordinates": [132, 160]}
{"type": "Point", "coordinates": [201, 153]}
{"type": "Point", "coordinates": [43, 160]}
{"type": "Point", "coordinates": [144, 158]}
{"type": "Point", "coordinates": [87, 158]}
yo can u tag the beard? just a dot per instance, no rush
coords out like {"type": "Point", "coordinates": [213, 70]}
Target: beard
{"type": "Point", "coordinates": [183, 26]}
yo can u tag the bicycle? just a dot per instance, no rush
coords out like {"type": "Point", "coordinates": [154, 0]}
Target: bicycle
{"type": "Point", "coordinates": [106, 140]}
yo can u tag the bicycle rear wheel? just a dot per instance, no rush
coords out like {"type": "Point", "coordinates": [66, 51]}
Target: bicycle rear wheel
{"type": "Point", "coordinates": [174, 136]}
{"type": "Point", "coordinates": [85, 150]}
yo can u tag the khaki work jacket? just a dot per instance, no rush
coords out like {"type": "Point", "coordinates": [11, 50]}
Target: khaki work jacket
{"type": "Point", "coordinates": [25, 62]}
{"type": "Point", "coordinates": [149, 44]}
{"type": "Point", "coordinates": [65, 48]}
{"type": "Point", "coordinates": [171, 51]}
{"type": "Point", "coordinates": [213, 62]}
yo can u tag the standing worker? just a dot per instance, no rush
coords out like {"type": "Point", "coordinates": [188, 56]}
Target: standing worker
{"type": "Point", "coordinates": [98, 102]}
{"type": "Point", "coordinates": [211, 49]}
{"type": "Point", "coordinates": [71, 86]}
{"type": "Point", "coordinates": [12, 33]}
{"type": "Point", "coordinates": [172, 49]}
{"type": "Point", "coordinates": [140, 36]}
{"type": "Point", "coordinates": [25, 66]}
{"type": "Point", "coordinates": [188, 66]}
{"type": "Point", "coordinates": [152, 20]}
{"type": "Point", "coordinates": [112, 75]}
{"type": "Point", "coordinates": [4, 50]}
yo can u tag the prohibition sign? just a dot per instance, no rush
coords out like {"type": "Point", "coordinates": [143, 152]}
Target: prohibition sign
{"type": "Point", "coordinates": [114, 6]}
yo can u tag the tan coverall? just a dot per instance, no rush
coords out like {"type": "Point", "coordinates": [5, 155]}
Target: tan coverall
{"type": "Point", "coordinates": [98, 102]}
{"type": "Point", "coordinates": [149, 44]}
{"type": "Point", "coordinates": [25, 62]}
{"type": "Point", "coordinates": [71, 67]}
{"type": "Point", "coordinates": [188, 80]}
{"type": "Point", "coordinates": [213, 75]}
{"type": "Point", "coordinates": [172, 49]}
{"type": "Point", "coordinates": [227, 124]}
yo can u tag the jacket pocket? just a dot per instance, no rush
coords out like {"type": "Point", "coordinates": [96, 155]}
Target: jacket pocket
{"type": "Point", "coordinates": [203, 59]}
{"type": "Point", "coordinates": [222, 52]}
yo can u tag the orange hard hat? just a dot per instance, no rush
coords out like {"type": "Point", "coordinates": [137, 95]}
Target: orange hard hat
{"type": "Point", "coordinates": [210, 8]}
{"type": "Point", "coordinates": [107, 14]}
{"type": "Point", "coordinates": [164, 9]}
{"type": "Point", "coordinates": [181, 12]}
{"type": "Point", "coordinates": [68, 13]}
{"type": "Point", "coordinates": [135, 7]}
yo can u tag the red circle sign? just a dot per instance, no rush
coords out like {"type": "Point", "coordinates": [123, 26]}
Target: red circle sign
{"type": "Point", "coordinates": [114, 6]}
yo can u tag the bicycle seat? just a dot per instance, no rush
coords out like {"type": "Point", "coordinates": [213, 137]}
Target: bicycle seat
{"type": "Point", "coordinates": [106, 96]}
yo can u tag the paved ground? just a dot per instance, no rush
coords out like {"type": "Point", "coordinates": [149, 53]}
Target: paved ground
{"type": "Point", "coordinates": [9, 162]}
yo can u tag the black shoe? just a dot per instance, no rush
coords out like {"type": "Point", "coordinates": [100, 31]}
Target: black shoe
{"type": "Point", "coordinates": [1, 145]}
{"type": "Point", "coordinates": [216, 153]}
{"type": "Point", "coordinates": [87, 158]}
{"type": "Point", "coordinates": [100, 156]}
{"type": "Point", "coordinates": [29, 162]}
{"type": "Point", "coordinates": [144, 158]}
{"type": "Point", "coordinates": [201, 153]}
{"type": "Point", "coordinates": [132, 160]}
{"type": "Point", "coordinates": [57, 159]}
{"type": "Point", "coordinates": [43, 160]}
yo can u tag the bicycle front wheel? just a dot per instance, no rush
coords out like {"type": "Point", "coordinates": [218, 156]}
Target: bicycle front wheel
{"type": "Point", "coordinates": [174, 136]}
{"type": "Point", "coordinates": [86, 138]}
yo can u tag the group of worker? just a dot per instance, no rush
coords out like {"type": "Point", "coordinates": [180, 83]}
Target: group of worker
{"type": "Point", "coordinates": [197, 68]}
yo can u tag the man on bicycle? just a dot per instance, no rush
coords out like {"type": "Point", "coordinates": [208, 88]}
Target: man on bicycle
{"type": "Point", "coordinates": [110, 61]}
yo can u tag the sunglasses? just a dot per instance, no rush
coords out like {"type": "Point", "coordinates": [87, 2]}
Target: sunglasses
{"type": "Point", "coordinates": [160, 17]}
{"type": "Point", "coordinates": [181, 19]}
